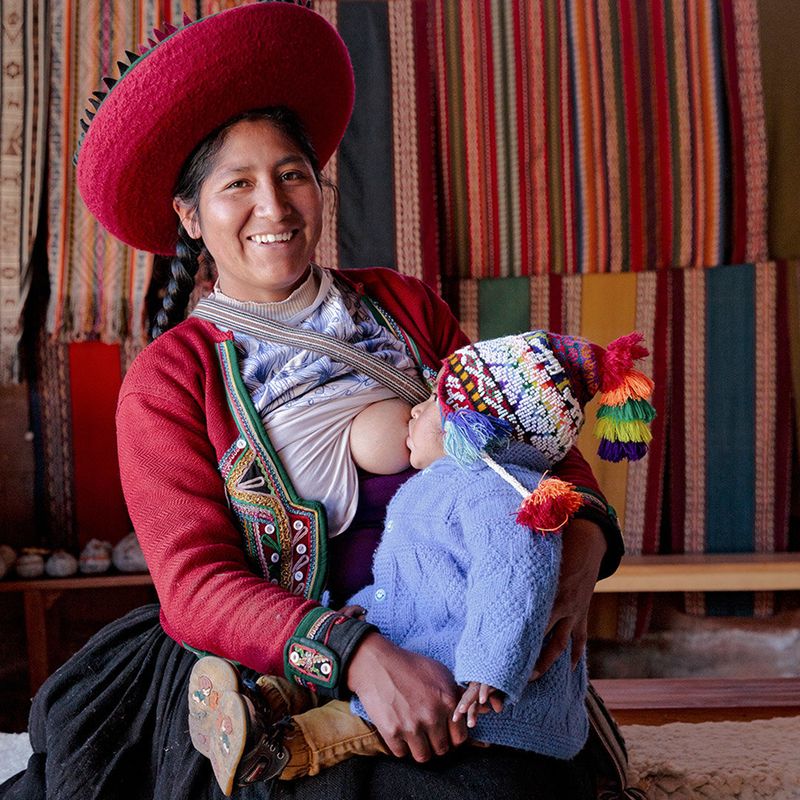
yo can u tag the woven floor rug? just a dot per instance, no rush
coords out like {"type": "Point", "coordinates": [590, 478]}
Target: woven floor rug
{"type": "Point", "coordinates": [717, 760]}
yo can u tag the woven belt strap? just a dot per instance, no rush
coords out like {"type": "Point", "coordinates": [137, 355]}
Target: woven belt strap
{"type": "Point", "coordinates": [410, 390]}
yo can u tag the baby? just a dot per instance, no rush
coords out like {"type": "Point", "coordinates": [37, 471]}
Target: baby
{"type": "Point", "coordinates": [467, 568]}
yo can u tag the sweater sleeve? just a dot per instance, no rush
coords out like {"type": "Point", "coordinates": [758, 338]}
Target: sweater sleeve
{"type": "Point", "coordinates": [211, 600]}
{"type": "Point", "coordinates": [511, 586]}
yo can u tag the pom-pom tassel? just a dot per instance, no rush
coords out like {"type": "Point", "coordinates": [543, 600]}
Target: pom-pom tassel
{"type": "Point", "coordinates": [468, 434]}
{"type": "Point", "coordinates": [619, 357]}
{"type": "Point", "coordinates": [631, 411]}
{"type": "Point", "coordinates": [619, 451]}
{"type": "Point", "coordinates": [625, 411]}
{"type": "Point", "coordinates": [635, 386]}
{"type": "Point", "coordinates": [635, 431]}
{"type": "Point", "coordinates": [549, 506]}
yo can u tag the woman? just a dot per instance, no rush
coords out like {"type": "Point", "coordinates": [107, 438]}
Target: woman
{"type": "Point", "coordinates": [233, 449]}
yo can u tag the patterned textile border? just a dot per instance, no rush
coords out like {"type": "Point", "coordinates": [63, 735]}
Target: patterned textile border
{"type": "Point", "coordinates": [718, 473]}
{"type": "Point", "coordinates": [23, 126]}
{"type": "Point", "coordinates": [600, 137]}
{"type": "Point", "coordinates": [51, 421]}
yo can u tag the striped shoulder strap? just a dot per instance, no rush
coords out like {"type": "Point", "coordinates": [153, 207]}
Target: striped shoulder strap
{"type": "Point", "coordinates": [410, 390]}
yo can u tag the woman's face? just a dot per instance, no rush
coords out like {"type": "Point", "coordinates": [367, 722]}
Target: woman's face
{"type": "Point", "coordinates": [425, 436]}
{"type": "Point", "coordinates": [259, 213]}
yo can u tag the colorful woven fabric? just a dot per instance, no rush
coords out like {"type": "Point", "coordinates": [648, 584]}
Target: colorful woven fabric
{"type": "Point", "coordinates": [779, 31]}
{"type": "Point", "coordinates": [23, 125]}
{"type": "Point", "coordinates": [599, 137]}
{"type": "Point", "coordinates": [723, 381]}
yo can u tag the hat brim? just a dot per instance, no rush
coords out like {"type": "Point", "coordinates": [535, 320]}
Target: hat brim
{"type": "Point", "coordinates": [250, 57]}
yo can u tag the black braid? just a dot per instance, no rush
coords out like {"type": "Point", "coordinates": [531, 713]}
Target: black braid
{"type": "Point", "coordinates": [183, 268]}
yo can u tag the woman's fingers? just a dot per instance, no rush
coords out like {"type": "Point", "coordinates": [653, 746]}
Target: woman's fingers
{"type": "Point", "coordinates": [408, 697]}
{"type": "Point", "coordinates": [559, 639]}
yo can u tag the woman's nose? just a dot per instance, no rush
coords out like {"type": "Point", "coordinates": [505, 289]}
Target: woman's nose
{"type": "Point", "coordinates": [271, 202]}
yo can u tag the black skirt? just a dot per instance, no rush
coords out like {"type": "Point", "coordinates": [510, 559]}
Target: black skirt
{"type": "Point", "coordinates": [112, 723]}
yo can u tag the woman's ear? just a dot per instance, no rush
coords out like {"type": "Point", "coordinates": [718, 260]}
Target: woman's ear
{"type": "Point", "coordinates": [188, 218]}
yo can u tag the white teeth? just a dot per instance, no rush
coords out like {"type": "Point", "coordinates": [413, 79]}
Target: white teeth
{"type": "Point", "coordinates": [269, 238]}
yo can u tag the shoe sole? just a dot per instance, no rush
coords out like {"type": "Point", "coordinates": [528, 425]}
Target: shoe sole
{"type": "Point", "coordinates": [210, 679]}
{"type": "Point", "coordinates": [228, 739]}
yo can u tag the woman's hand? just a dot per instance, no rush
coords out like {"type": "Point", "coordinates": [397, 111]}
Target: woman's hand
{"type": "Point", "coordinates": [409, 698]}
{"type": "Point", "coordinates": [583, 550]}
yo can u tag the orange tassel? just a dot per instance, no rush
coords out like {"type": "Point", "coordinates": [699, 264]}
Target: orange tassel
{"type": "Point", "coordinates": [636, 386]}
{"type": "Point", "coordinates": [549, 506]}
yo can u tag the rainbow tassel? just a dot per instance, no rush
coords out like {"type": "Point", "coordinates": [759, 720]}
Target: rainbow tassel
{"type": "Point", "coordinates": [469, 434]}
{"type": "Point", "coordinates": [625, 411]}
{"type": "Point", "coordinates": [549, 506]}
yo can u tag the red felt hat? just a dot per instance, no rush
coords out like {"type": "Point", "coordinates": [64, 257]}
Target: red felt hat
{"type": "Point", "coordinates": [193, 81]}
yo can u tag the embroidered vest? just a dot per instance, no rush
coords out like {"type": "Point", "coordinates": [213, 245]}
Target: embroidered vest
{"type": "Point", "coordinates": [284, 536]}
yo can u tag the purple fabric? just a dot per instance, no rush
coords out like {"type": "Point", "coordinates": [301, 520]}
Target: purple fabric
{"type": "Point", "coordinates": [350, 553]}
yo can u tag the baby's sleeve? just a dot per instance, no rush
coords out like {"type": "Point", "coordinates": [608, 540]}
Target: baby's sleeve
{"type": "Point", "coordinates": [511, 585]}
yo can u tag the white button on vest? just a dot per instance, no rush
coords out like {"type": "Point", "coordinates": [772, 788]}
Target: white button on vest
{"type": "Point", "coordinates": [380, 594]}
{"type": "Point", "coordinates": [241, 444]}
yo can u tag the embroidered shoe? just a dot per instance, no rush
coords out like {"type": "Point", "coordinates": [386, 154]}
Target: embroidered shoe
{"type": "Point", "coordinates": [228, 716]}
{"type": "Point", "coordinates": [210, 678]}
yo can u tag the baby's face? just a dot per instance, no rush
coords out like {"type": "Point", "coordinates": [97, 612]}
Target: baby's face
{"type": "Point", "coordinates": [425, 436]}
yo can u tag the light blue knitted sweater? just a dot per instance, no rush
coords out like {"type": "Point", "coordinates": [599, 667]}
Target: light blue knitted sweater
{"type": "Point", "coordinates": [459, 580]}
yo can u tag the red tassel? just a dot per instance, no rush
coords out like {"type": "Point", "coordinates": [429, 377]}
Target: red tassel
{"type": "Point", "coordinates": [549, 506]}
{"type": "Point", "coordinates": [619, 358]}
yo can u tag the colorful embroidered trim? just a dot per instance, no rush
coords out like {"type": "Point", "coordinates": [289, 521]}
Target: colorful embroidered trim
{"type": "Point", "coordinates": [284, 535]}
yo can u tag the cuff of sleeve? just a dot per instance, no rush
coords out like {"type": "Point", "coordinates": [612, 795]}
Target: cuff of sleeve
{"type": "Point", "coordinates": [597, 510]}
{"type": "Point", "coordinates": [316, 656]}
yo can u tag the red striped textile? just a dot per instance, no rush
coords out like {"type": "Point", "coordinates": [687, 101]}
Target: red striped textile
{"type": "Point", "coordinates": [599, 137]}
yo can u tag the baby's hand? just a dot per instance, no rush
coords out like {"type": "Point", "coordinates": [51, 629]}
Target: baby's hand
{"type": "Point", "coordinates": [356, 612]}
{"type": "Point", "coordinates": [478, 698]}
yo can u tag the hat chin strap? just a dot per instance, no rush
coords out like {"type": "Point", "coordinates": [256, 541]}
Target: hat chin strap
{"type": "Point", "coordinates": [505, 475]}
{"type": "Point", "coordinates": [549, 507]}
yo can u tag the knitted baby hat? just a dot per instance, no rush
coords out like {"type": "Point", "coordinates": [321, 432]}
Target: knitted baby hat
{"type": "Point", "coordinates": [532, 387]}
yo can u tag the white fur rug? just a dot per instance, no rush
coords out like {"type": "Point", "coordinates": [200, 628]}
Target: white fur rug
{"type": "Point", "coordinates": [680, 761]}
{"type": "Point", "coordinates": [15, 750]}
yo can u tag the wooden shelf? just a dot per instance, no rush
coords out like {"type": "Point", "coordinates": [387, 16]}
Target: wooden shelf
{"type": "Point", "coordinates": [705, 573]}
{"type": "Point", "coordinates": [39, 595]}
{"type": "Point", "coordinates": [103, 581]}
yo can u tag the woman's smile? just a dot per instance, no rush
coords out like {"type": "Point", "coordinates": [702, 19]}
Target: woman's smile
{"type": "Point", "coordinates": [260, 213]}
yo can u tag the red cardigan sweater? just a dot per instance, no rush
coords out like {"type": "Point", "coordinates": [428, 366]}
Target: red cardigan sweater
{"type": "Point", "coordinates": [174, 426]}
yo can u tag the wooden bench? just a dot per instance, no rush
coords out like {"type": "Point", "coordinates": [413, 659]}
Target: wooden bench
{"type": "Point", "coordinates": [39, 595]}
{"type": "Point", "coordinates": [656, 701]}
{"type": "Point", "coordinates": [656, 573]}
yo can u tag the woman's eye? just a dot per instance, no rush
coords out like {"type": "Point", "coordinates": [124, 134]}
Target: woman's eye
{"type": "Point", "coordinates": [237, 184]}
{"type": "Point", "coordinates": [293, 175]}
